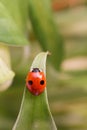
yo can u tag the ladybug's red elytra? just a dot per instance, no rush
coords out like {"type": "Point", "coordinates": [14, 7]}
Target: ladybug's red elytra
{"type": "Point", "coordinates": [36, 81]}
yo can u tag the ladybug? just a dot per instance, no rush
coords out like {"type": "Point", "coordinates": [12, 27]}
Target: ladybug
{"type": "Point", "coordinates": [36, 81]}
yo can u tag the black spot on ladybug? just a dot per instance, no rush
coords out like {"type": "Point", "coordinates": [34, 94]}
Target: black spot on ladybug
{"type": "Point", "coordinates": [35, 70]}
{"type": "Point", "coordinates": [42, 82]}
{"type": "Point", "coordinates": [30, 82]}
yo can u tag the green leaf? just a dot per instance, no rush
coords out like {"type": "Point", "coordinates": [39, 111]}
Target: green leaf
{"type": "Point", "coordinates": [5, 54]}
{"type": "Point", "coordinates": [34, 112]}
{"type": "Point", "coordinates": [13, 21]}
{"type": "Point", "coordinates": [45, 30]}
{"type": "Point", "coordinates": [6, 74]}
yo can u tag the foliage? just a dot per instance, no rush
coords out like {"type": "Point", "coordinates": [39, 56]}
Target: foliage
{"type": "Point", "coordinates": [67, 91]}
{"type": "Point", "coordinates": [13, 20]}
{"type": "Point", "coordinates": [6, 74]}
{"type": "Point", "coordinates": [46, 31]}
{"type": "Point", "coordinates": [34, 112]}
{"type": "Point", "coordinates": [14, 31]}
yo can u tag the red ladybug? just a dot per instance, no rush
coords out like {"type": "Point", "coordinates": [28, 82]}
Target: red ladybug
{"type": "Point", "coordinates": [36, 81]}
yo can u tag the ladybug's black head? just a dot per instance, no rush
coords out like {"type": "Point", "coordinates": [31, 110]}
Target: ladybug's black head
{"type": "Point", "coordinates": [35, 70]}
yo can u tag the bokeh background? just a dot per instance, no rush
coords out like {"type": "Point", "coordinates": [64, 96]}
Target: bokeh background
{"type": "Point", "coordinates": [67, 89]}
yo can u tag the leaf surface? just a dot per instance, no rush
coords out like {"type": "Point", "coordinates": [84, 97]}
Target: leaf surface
{"type": "Point", "coordinates": [46, 30]}
{"type": "Point", "coordinates": [13, 20]}
{"type": "Point", "coordinates": [34, 112]}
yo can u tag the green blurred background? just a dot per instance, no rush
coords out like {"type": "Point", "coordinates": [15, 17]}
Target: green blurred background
{"type": "Point", "coordinates": [67, 89]}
